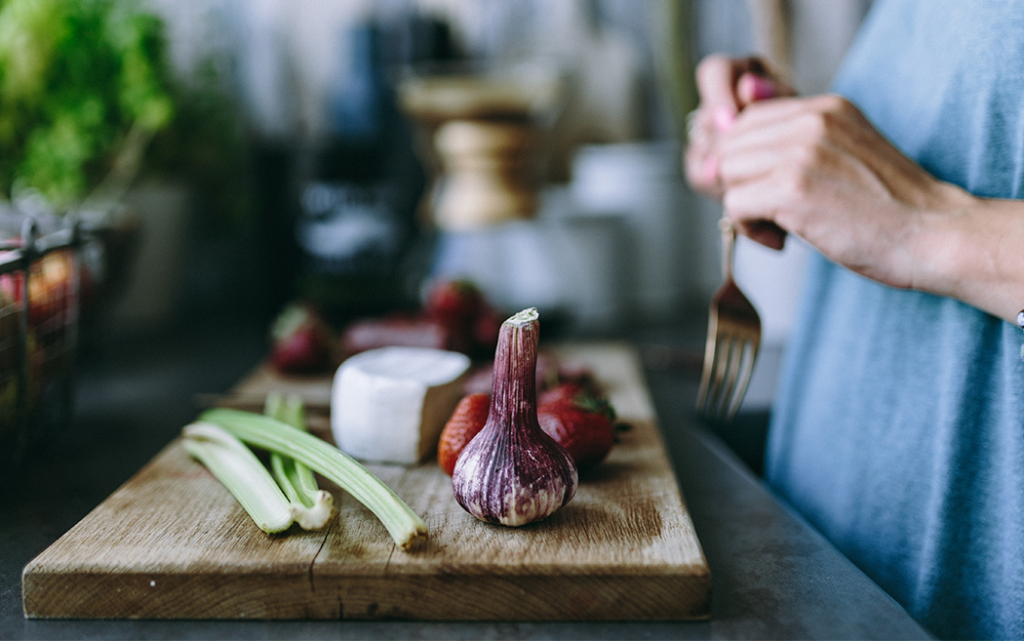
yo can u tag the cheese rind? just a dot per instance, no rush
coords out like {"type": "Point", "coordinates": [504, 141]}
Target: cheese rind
{"type": "Point", "coordinates": [389, 405]}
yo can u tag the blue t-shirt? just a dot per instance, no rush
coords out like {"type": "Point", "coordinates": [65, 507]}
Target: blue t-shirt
{"type": "Point", "coordinates": [898, 429]}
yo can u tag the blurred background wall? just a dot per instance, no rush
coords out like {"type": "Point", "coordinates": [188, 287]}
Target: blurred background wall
{"type": "Point", "coordinates": [618, 239]}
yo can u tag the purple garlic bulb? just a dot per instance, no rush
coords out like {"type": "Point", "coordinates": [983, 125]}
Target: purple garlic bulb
{"type": "Point", "coordinates": [512, 472]}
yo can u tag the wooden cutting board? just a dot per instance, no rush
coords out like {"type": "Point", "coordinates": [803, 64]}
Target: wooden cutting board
{"type": "Point", "coordinates": [172, 543]}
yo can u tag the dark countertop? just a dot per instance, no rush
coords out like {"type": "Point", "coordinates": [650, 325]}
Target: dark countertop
{"type": "Point", "coordinates": [774, 576]}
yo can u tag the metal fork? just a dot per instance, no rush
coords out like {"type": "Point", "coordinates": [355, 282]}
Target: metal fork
{"type": "Point", "coordinates": [734, 335]}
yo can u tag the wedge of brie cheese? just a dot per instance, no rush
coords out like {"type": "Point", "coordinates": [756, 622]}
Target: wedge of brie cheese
{"type": "Point", "coordinates": [389, 405]}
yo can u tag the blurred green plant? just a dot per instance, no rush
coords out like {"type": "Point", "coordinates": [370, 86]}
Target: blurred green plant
{"type": "Point", "coordinates": [88, 98]}
{"type": "Point", "coordinates": [78, 78]}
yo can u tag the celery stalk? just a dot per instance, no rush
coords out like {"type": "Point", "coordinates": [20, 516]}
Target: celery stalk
{"type": "Point", "coordinates": [238, 469]}
{"type": "Point", "coordinates": [404, 525]}
{"type": "Point", "coordinates": [312, 508]}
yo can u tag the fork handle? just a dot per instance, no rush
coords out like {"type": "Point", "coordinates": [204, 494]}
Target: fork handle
{"type": "Point", "coordinates": [728, 230]}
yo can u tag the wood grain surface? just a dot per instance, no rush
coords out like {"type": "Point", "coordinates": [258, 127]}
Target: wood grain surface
{"type": "Point", "coordinates": [172, 543]}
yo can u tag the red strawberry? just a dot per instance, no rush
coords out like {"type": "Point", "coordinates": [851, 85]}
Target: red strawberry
{"type": "Point", "coordinates": [455, 304]}
{"type": "Point", "coordinates": [566, 390]}
{"type": "Point", "coordinates": [466, 421]}
{"type": "Point", "coordinates": [580, 421]}
{"type": "Point", "coordinates": [302, 341]}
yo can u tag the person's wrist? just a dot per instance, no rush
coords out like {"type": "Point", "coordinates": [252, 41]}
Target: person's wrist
{"type": "Point", "coordinates": [960, 251]}
{"type": "Point", "coordinates": [937, 240]}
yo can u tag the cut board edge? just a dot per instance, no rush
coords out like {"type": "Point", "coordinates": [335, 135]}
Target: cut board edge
{"type": "Point", "coordinates": [106, 596]}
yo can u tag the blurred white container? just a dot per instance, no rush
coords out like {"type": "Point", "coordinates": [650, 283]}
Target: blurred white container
{"type": "Point", "coordinates": [563, 261]}
{"type": "Point", "coordinates": [641, 182]}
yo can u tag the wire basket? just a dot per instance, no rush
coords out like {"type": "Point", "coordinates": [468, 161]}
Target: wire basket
{"type": "Point", "coordinates": [40, 278]}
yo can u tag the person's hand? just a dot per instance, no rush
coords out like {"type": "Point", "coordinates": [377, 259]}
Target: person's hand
{"type": "Point", "coordinates": [726, 87]}
{"type": "Point", "coordinates": [817, 168]}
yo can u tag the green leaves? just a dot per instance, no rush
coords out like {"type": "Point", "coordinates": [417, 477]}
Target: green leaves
{"type": "Point", "coordinates": [75, 76]}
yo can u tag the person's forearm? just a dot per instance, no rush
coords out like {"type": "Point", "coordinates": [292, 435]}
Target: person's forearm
{"type": "Point", "coordinates": [974, 252]}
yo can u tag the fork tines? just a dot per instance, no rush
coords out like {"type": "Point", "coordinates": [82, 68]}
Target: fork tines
{"type": "Point", "coordinates": [734, 335]}
{"type": "Point", "coordinates": [729, 360]}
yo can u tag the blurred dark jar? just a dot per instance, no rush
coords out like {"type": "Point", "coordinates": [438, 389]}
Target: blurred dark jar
{"type": "Point", "coordinates": [352, 238]}
{"type": "Point", "coordinates": [359, 186]}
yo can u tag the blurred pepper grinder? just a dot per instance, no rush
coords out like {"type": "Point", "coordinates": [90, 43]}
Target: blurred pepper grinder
{"type": "Point", "coordinates": [483, 129]}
